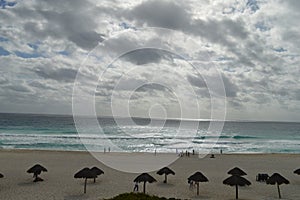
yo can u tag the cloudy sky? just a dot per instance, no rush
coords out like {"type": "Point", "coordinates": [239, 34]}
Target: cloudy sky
{"type": "Point", "coordinates": [253, 45]}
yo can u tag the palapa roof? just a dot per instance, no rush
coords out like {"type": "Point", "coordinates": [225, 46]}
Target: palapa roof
{"type": "Point", "coordinates": [165, 170]}
{"type": "Point", "coordinates": [236, 171]}
{"type": "Point", "coordinates": [236, 180]}
{"type": "Point", "coordinates": [144, 177]}
{"type": "Point", "coordinates": [198, 177]}
{"type": "Point", "coordinates": [277, 179]}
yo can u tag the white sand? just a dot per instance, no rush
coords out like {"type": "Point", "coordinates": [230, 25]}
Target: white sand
{"type": "Point", "coordinates": [60, 184]}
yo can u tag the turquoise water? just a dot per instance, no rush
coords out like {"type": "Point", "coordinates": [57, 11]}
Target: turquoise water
{"type": "Point", "coordinates": [24, 131]}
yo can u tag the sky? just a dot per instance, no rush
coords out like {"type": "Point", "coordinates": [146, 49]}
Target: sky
{"type": "Point", "coordinates": [152, 58]}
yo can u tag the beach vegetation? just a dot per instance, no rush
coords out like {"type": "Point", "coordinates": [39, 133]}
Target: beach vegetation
{"type": "Point", "coordinates": [139, 196]}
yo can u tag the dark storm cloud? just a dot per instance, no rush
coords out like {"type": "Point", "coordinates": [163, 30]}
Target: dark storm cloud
{"type": "Point", "coordinates": [173, 15]}
{"type": "Point", "coordinates": [219, 31]}
{"type": "Point", "coordinates": [235, 104]}
{"type": "Point", "coordinates": [120, 45]}
{"type": "Point", "coordinates": [261, 98]}
{"type": "Point", "coordinates": [152, 87]}
{"type": "Point", "coordinates": [58, 74]}
{"type": "Point", "coordinates": [297, 95]}
{"type": "Point", "coordinates": [146, 56]}
{"type": "Point", "coordinates": [257, 84]}
{"type": "Point", "coordinates": [253, 5]}
{"type": "Point", "coordinates": [3, 80]}
{"type": "Point", "coordinates": [40, 85]}
{"type": "Point", "coordinates": [77, 27]}
{"type": "Point", "coordinates": [197, 81]}
{"type": "Point", "coordinates": [86, 40]}
{"type": "Point", "coordinates": [68, 4]}
{"type": "Point", "coordinates": [232, 34]}
{"type": "Point", "coordinates": [107, 87]}
{"type": "Point", "coordinates": [231, 89]}
{"type": "Point", "coordinates": [102, 93]}
{"type": "Point", "coordinates": [294, 4]}
{"type": "Point", "coordinates": [129, 85]}
{"type": "Point", "coordinates": [18, 88]}
{"type": "Point", "coordinates": [229, 33]}
{"type": "Point", "coordinates": [166, 14]}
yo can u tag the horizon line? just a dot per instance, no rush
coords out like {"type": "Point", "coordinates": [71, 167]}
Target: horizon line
{"type": "Point", "coordinates": [170, 119]}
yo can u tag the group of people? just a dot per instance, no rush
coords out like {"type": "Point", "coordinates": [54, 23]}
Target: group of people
{"type": "Point", "coordinates": [182, 153]}
{"type": "Point", "coordinates": [187, 153]}
{"type": "Point", "coordinates": [104, 150]}
{"type": "Point", "coordinates": [192, 184]}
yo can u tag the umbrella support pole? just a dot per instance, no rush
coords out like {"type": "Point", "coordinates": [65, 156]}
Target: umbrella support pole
{"type": "Point", "coordinates": [84, 189]}
{"type": "Point", "coordinates": [165, 178]}
{"type": "Point", "coordinates": [144, 189]}
{"type": "Point", "coordinates": [236, 192]}
{"type": "Point", "coordinates": [278, 191]}
{"type": "Point", "coordinates": [197, 188]}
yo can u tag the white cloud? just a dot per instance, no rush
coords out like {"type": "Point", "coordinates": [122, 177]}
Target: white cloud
{"type": "Point", "coordinates": [255, 44]}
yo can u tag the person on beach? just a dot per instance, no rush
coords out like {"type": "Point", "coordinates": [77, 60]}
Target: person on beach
{"type": "Point", "coordinates": [136, 187]}
{"type": "Point", "coordinates": [191, 184]}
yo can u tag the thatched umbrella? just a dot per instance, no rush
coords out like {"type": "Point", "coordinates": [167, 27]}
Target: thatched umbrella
{"type": "Point", "coordinates": [36, 170]}
{"type": "Point", "coordinates": [278, 180]}
{"type": "Point", "coordinates": [198, 177]}
{"type": "Point", "coordinates": [236, 171]}
{"type": "Point", "coordinates": [297, 171]}
{"type": "Point", "coordinates": [166, 171]}
{"type": "Point", "coordinates": [97, 172]}
{"type": "Point", "coordinates": [144, 177]}
{"type": "Point", "coordinates": [85, 173]}
{"type": "Point", "coordinates": [236, 181]}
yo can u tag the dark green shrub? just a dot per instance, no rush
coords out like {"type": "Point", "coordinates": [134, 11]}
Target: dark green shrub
{"type": "Point", "coordinates": [138, 196]}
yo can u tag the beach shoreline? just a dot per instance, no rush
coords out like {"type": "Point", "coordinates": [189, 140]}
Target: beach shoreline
{"type": "Point", "coordinates": [62, 165]}
{"type": "Point", "coordinates": [150, 153]}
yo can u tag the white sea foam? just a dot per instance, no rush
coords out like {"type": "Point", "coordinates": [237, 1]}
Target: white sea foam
{"type": "Point", "coordinates": [31, 132]}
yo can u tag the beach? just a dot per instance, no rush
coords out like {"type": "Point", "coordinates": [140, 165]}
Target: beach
{"type": "Point", "coordinates": [59, 182]}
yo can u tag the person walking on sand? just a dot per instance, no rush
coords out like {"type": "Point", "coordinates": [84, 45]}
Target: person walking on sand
{"type": "Point", "coordinates": [191, 185]}
{"type": "Point", "coordinates": [136, 187]}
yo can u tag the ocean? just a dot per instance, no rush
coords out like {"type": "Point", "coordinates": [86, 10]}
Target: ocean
{"type": "Point", "coordinates": [54, 132]}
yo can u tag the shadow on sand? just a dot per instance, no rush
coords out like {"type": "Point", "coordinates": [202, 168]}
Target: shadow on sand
{"type": "Point", "coordinates": [28, 183]}
{"type": "Point", "coordinates": [165, 185]}
{"type": "Point", "coordinates": [76, 197]}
